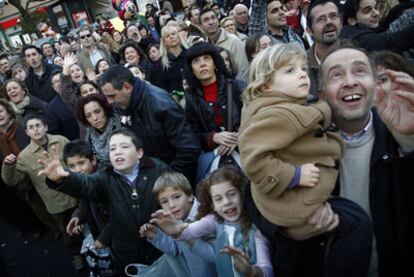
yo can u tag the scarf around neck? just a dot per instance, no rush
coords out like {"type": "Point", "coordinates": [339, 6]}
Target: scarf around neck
{"type": "Point", "coordinates": [19, 108]}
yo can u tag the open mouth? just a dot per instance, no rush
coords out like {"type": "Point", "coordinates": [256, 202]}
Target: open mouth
{"type": "Point", "coordinates": [230, 212]}
{"type": "Point", "coordinates": [330, 31]}
{"type": "Point", "coordinates": [119, 160]}
{"type": "Point", "coordinates": [351, 98]}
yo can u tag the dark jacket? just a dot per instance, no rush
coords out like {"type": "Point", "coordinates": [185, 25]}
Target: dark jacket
{"type": "Point", "coordinates": [61, 120]}
{"type": "Point", "coordinates": [42, 87]}
{"type": "Point", "coordinates": [371, 40]}
{"type": "Point", "coordinates": [172, 78]}
{"type": "Point", "coordinates": [163, 128]}
{"type": "Point", "coordinates": [35, 106]}
{"type": "Point", "coordinates": [200, 114]}
{"type": "Point", "coordinates": [96, 216]}
{"type": "Point", "coordinates": [126, 216]}
{"type": "Point", "coordinates": [391, 202]}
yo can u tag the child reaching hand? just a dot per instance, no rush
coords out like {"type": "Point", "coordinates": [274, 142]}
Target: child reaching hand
{"type": "Point", "coordinates": [173, 192]}
{"type": "Point", "coordinates": [289, 151]}
{"type": "Point", "coordinates": [239, 248]}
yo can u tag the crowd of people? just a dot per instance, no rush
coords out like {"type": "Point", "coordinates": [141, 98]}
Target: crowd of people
{"type": "Point", "coordinates": [250, 138]}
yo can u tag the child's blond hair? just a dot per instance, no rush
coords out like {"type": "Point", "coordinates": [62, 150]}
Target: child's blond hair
{"type": "Point", "coordinates": [172, 179]}
{"type": "Point", "coordinates": [266, 63]}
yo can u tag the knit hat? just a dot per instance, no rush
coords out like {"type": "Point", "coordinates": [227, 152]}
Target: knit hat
{"type": "Point", "coordinates": [199, 49]}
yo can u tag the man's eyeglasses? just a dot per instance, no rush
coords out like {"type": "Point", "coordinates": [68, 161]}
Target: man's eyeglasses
{"type": "Point", "coordinates": [86, 36]}
{"type": "Point", "coordinates": [323, 18]}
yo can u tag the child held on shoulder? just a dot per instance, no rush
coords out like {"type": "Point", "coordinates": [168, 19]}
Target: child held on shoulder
{"type": "Point", "coordinates": [288, 149]}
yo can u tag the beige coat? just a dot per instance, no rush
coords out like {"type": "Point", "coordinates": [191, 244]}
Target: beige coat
{"type": "Point", "coordinates": [275, 135]}
{"type": "Point", "coordinates": [235, 46]}
{"type": "Point", "coordinates": [27, 165]}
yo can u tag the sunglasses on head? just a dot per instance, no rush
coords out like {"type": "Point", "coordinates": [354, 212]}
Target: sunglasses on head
{"type": "Point", "coordinates": [86, 36]}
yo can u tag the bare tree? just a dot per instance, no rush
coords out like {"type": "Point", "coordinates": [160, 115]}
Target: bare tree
{"type": "Point", "coordinates": [27, 20]}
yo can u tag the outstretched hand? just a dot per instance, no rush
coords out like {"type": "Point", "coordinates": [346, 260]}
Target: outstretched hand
{"type": "Point", "coordinates": [167, 222]}
{"type": "Point", "coordinates": [396, 107]}
{"type": "Point", "coordinates": [241, 260]}
{"type": "Point", "coordinates": [148, 230]}
{"type": "Point", "coordinates": [52, 167]}
{"type": "Point", "coordinates": [69, 60]}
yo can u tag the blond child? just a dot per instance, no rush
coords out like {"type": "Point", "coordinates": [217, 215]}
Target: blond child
{"type": "Point", "coordinates": [173, 192]}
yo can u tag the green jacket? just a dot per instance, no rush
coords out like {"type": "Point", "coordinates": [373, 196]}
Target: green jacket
{"type": "Point", "coordinates": [27, 166]}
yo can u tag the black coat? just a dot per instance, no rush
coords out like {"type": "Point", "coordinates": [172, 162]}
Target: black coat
{"type": "Point", "coordinates": [391, 200]}
{"type": "Point", "coordinates": [42, 87]}
{"type": "Point", "coordinates": [200, 114]}
{"type": "Point", "coordinates": [172, 78]}
{"type": "Point", "coordinates": [371, 40]}
{"type": "Point", "coordinates": [61, 120]}
{"type": "Point", "coordinates": [126, 216]}
{"type": "Point", "coordinates": [163, 128]}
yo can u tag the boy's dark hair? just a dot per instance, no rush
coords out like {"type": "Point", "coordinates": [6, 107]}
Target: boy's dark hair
{"type": "Point", "coordinates": [117, 75]}
{"type": "Point", "coordinates": [29, 46]}
{"type": "Point", "coordinates": [128, 133]}
{"type": "Point", "coordinates": [350, 10]}
{"type": "Point", "coordinates": [77, 148]}
{"type": "Point", "coordinates": [34, 115]}
{"type": "Point", "coordinates": [309, 18]}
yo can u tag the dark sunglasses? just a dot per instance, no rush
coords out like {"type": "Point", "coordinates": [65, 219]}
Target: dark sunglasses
{"type": "Point", "coordinates": [86, 36]}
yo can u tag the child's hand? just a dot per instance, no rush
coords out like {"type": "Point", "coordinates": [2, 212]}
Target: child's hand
{"type": "Point", "coordinates": [148, 230]}
{"type": "Point", "coordinates": [309, 175]}
{"type": "Point", "coordinates": [98, 245]}
{"type": "Point", "coordinates": [52, 167]}
{"type": "Point", "coordinates": [73, 226]}
{"type": "Point", "coordinates": [167, 222]}
{"type": "Point", "coordinates": [10, 159]}
{"type": "Point", "coordinates": [241, 260]}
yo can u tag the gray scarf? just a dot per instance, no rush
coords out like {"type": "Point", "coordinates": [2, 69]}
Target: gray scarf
{"type": "Point", "coordinates": [100, 141]}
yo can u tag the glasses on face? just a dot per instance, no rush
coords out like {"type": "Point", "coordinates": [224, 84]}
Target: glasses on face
{"type": "Point", "coordinates": [34, 126]}
{"type": "Point", "coordinates": [228, 25]}
{"type": "Point", "coordinates": [323, 18]}
{"type": "Point", "coordinates": [85, 36]}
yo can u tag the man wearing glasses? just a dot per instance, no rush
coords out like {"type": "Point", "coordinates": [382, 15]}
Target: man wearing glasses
{"type": "Point", "coordinates": [91, 52]}
{"type": "Point", "coordinates": [324, 24]}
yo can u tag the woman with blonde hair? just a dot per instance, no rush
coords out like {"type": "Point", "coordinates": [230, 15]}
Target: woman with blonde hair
{"type": "Point", "coordinates": [172, 50]}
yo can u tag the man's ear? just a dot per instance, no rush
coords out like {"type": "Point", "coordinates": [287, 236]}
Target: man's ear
{"type": "Point", "coordinates": [352, 21]}
{"type": "Point", "coordinates": [140, 153]}
{"type": "Point", "coordinates": [128, 87]}
{"type": "Point", "coordinates": [320, 94]}
{"type": "Point", "coordinates": [46, 127]}
{"type": "Point", "coordinates": [309, 30]}
{"type": "Point", "coordinates": [94, 160]}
